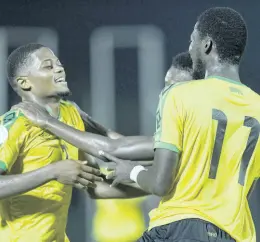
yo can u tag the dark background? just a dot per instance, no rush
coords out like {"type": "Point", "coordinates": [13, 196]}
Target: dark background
{"type": "Point", "coordinates": [74, 22]}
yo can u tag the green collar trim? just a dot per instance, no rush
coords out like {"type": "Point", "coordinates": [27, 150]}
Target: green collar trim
{"type": "Point", "coordinates": [50, 112]}
{"type": "Point", "coordinates": [226, 79]}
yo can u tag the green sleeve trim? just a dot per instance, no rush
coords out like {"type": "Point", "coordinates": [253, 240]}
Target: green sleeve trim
{"type": "Point", "coordinates": [159, 114]}
{"type": "Point", "coordinates": [3, 166]}
{"type": "Point", "coordinates": [163, 145]}
{"type": "Point", "coordinates": [10, 118]}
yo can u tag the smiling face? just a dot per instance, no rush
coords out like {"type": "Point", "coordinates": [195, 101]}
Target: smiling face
{"type": "Point", "coordinates": [45, 75]}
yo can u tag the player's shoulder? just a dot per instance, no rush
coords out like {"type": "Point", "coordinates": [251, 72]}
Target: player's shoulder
{"type": "Point", "coordinates": [69, 106]}
{"type": "Point", "coordinates": [67, 103]}
{"type": "Point", "coordinates": [253, 95]}
{"type": "Point", "coordinates": [179, 87]}
{"type": "Point", "coordinates": [75, 113]}
{"type": "Point", "coordinates": [12, 117]}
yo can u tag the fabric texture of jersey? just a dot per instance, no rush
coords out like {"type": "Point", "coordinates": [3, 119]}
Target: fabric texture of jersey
{"type": "Point", "coordinates": [214, 125]}
{"type": "Point", "coordinates": [118, 220]}
{"type": "Point", "coordinates": [39, 214]}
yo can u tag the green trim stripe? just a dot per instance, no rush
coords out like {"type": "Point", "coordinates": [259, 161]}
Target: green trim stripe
{"type": "Point", "coordinates": [226, 79]}
{"type": "Point", "coordinates": [167, 88]}
{"type": "Point", "coordinates": [167, 146]}
{"type": "Point", "coordinates": [3, 166]}
{"type": "Point", "coordinates": [9, 123]}
{"type": "Point", "coordinates": [160, 107]}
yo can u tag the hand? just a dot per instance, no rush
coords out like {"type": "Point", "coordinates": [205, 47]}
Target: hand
{"type": "Point", "coordinates": [76, 173]}
{"type": "Point", "coordinates": [121, 172]}
{"type": "Point", "coordinates": [34, 112]}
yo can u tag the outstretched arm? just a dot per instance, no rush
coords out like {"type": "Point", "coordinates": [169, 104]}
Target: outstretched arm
{"type": "Point", "coordinates": [133, 147]}
{"type": "Point", "coordinates": [12, 136]}
{"type": "Point", "coordinates": [11, 185]}
{"type": "Point", "coordinates": [68, 172]}
{"type": "Point", "coordinates": [157, 179]}
{"type": "Point", "coordinates": [103, 190]}
{"type": "Point", "coordinates": [94, 127]}
{"type": "Point", "coordinates": [160, 178]}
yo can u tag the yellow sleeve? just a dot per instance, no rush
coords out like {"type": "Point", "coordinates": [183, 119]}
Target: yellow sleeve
{"type": "Point", "coordinates": [11, 138]}
{"type": "Point", "coordinates": [169, 123]}
{"type": "Point", "coordinates": [79, 122]}
{"type": "Point", "coordinates": [74, 111]}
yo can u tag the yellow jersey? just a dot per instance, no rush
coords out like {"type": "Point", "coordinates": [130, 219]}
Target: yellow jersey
{"type": "Point", "coordinates": [118, 220]}
{"type": "Point", "coordinates": [214, 125]}
{"type": "Point", "coordinates": [39, 214]}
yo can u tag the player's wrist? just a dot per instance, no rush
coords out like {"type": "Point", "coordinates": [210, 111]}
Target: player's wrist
{"type": "Point", "coordinates": [135, 172]}
{"type": "Point", "coordinates": [51, 172]}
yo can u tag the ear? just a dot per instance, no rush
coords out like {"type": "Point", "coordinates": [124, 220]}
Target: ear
{"type": "Point", "coordinates": [24, 84]}
{"type": "Point", "coordinates": [208, 44]}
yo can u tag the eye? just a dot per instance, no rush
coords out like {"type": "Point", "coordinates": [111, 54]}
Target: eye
{"type": "Point", "coordinates": [49, 67]}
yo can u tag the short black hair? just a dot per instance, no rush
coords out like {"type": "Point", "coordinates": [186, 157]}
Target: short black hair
{"type": "Point", "coordinates": [227, 29]}
{"type": "Point", "coordinates": [19, 59]}
{"type": "Point", "coordinates": [182, 61]}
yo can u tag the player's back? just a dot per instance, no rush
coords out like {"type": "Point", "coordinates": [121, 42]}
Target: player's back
{"type": "Point", "coordinates": [220, 123]}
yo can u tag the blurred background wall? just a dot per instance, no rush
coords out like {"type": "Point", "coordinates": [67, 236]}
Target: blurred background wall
{"type": "Point", "coordinates": [115, 54]}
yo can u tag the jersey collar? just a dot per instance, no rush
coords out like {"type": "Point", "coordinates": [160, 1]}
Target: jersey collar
{"type": "Point", "coordinates": [226, 79]}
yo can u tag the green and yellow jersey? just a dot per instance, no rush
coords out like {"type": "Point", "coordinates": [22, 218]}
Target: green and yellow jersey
{"type": "Point", "coordinates": [39, 214]}
{"type": "Point", "coordinates": [214, 125]}
{"type": "Point", "coordinates": [118, 220]}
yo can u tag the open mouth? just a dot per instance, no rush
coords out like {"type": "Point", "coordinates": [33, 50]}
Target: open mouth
{"type": "Point", "coordinates": [60, 80]}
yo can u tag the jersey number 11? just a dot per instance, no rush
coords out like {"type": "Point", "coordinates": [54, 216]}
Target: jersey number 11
{"type": "Point", "coordinates": [220, 134]}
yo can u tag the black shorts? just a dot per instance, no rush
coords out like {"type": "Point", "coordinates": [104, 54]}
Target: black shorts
{"type": "Point", "coordinates": [187, 230]}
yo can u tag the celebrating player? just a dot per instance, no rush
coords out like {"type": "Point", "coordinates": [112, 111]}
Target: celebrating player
{"type": "Point", "coordinates": [206, 143]}
{"type": "Point", "coordinates": [181, 71]}
{"type": "Point", "coordinates": [139, 147]}
{"type": "Point", "coordinates": [37, 168]}
{"type": "Point", "coordinates": [135, 147]}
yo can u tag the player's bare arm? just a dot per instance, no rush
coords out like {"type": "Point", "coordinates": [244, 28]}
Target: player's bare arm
{"type": "Point", "coordinates": [157, 179]}
{"type": "Point", "coordinates": [68, 172]}
{"type": "Point", "coordinates": [132, 147]}
{"type": "Point", "coordinates": [13, 136]}
{"type": "Point", "coordinates": [104, 190]}
{"type": "Point", "coordinates": [94, 127]}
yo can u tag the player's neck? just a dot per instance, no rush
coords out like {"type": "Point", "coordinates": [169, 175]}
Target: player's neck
{"type": "Point", "coordinates": [224, 70]}
{"type": "Point", "coordinates": [51, 104]}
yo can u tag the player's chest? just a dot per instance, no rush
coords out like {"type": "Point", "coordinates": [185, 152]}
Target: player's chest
{"type": "Point", "coordinates": [42, 148]}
